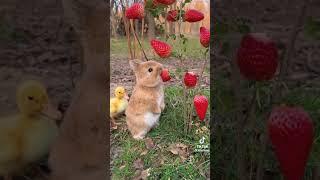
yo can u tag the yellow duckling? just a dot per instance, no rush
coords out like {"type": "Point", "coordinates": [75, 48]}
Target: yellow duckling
{"type": "Point", "coordinates": [26, 137]}
{"type": "Point", "coordinates": [118, 104]}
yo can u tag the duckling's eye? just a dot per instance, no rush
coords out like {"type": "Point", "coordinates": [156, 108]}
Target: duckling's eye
{"type": "Point", "coordinates": [150, 69]}
{"type": "Point", "coordinates": [30, 98]}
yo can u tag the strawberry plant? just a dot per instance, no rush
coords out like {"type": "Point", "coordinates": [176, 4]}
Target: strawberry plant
{"type": "Point", "coordinates": [271, 140]}
{"type": "Point", "coordinates": [166, 49]}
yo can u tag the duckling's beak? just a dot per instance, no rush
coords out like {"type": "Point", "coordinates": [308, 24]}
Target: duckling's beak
{"type": "Point", "coordinates": [126, 96]}
{"type": "Point", "coordinates": [52, 112]}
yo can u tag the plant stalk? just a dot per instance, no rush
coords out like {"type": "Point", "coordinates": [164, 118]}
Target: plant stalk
{"type": "Point", "coordinates": [136, 36]}
{"type": "Point", "coordinates": [126, 26]}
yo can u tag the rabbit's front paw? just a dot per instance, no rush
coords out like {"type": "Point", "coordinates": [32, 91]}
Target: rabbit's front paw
{"type": "Point", "coordinates": [162, 106]}
{"type": "Point", "coordinates": [140, 135]}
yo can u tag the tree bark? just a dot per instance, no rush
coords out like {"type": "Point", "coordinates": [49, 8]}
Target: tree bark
{"type": "Point", "coordinates": [151, 26]}
{"type": "Point", "coordinates": [113, 20]}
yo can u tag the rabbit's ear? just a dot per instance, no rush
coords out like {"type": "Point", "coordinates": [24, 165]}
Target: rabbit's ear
{"type": "Point", "coordinates": [134, 64]}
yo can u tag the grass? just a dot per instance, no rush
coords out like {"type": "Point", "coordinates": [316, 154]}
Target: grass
{"type": "Point", "coordinates": [162, 163]}
{"type": "Point", "coordinates": [224, 141]}
{"type": "Point", "coordinates": [119, 47]}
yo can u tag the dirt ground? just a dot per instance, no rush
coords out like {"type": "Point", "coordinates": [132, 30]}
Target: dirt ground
{"type": "Point", "coordinates": [36, 43]}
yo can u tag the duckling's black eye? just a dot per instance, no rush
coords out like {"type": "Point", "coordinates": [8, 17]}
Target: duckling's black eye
{"type": "Point", "coordinates": [150, 69]}
{"type": "Point", "coordinates": [30, 98]}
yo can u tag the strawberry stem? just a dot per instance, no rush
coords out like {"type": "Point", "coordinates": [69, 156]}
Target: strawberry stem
{"type": "Point", "coordinates": [135, 35]}
{"type": "Point", "coordinates": [126, 28]}
{"type": "Point", "coordinates": [202, 70]}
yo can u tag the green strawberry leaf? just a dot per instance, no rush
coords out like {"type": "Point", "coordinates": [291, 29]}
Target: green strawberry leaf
{"type": "Point", "coordinates": [179, 72]}
{"type": "Point", "coordinates": [244, 29]}
{"type": "Point", "coordinates": [149, 4]}
{"type": "Point", "coordinates": [312, 28]}
{"type": "Point", "coordinates": [160, 28]}
{"type": "Point", "coordinates": [185, 3]}
{"type": "Point", "coordinates": [176, 54]}
{"type": "Point", "coordinates": [221, 29]}
{"type": "Point", "coordinates": [184, 40]}
{"type": "Point", "coordinates": [156, 11]}
{"type": "Point", "coordinates": [225, 48]}
{"type": "Point", "coordinates": [172, 36]}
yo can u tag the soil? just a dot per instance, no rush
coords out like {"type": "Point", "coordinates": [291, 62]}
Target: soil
{"type": "Point", "coordinates": [36, 43]}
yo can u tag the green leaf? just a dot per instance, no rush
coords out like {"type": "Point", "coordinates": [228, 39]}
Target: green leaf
{"type": "Point", "coordinates": [221, 29]}
{"type": "Point", "coordinates": [225, 49]}
{"type": "Point", "coordinates": [175, 54]}
{"type": "Point", "coordinates": [156, 11]}
{"type": "Point", "coordinates": [149, 4]}
{"type": "Point", "coordinates": [184, 40]}
{"type": "Point", "coordinates": [173, 36]}
{"type": "Point", "coordinates": [185, 3]}
{"type": "Point", "coordinates": [160, 28]}
{"type": "Point", "coordinates": [244, 29]}
{"type": "Point", "coordinates": [258, 99]}
{"type": "Point", "coordinates": [179, 72]}
{"type": "Point", "coordinates": [242, 25]}
{"type": "Point", "coordinates": [312, 28]}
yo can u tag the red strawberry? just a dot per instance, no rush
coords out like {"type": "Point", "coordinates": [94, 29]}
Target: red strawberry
{"type": "Point", "coordinates": [193, 15]}
{"type": "Point", "coordinates": [201, 105]}
{"type": "Point", "coordinates": [136, 11]}
{"type": "Point", "coordinates": [190, 79]}
{"type": "Point", "coordinates": [165, 75]}
{"type": "Point", "coordinates": [291, 132]}
{"type": "Point", "coordinates": [172, 15]}
{"type": "Point", "coordinates": [204, 36]}
{"type": "Point", "coordinates": [257, 57]}
{"type": "Point", "coordinates": [161, 48]}
{"type": "Point", "coordinates": [166, 2]}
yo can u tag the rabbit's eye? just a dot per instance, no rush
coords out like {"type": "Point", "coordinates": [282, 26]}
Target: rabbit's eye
{"type": "Point", "coordinates": [150, 69]}
{"type": "Point", "coordinates": [30, 98]}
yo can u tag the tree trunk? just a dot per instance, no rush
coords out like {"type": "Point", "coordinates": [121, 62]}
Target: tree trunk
{"type": "Point", "coordinates": [81, 149]}
{"type": "Point", "coordinates": [151, 26]}
{"type": "Point", "coordinates": [113, 20]}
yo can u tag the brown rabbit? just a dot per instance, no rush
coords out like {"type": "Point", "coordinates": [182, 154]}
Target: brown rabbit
{"type": "Point", "coordinates": [147, 100]}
